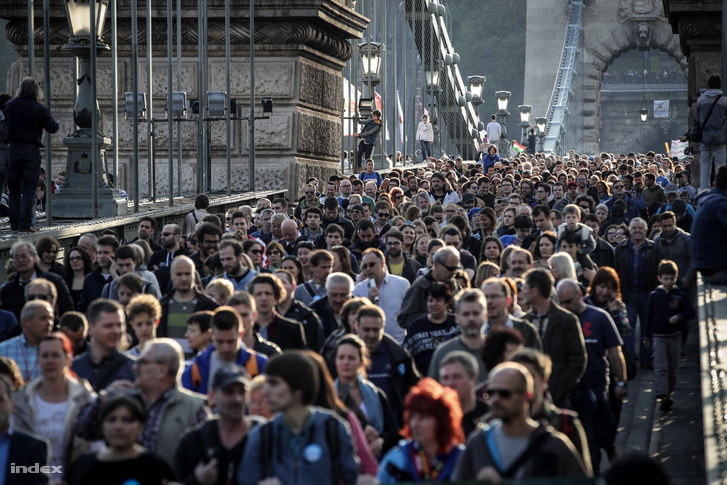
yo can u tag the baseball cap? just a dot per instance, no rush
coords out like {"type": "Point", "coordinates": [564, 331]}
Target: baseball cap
{"type": "Point", "coordinates": [573, 184]}
{"type": "Point", "coordinates": [468, 197]}
{"type": "Point", "coordinates": [357, 207]}
{"type": "Point", "coordinates": [671, 189]}
{"type": "Point", "coordinates": [230, 374]}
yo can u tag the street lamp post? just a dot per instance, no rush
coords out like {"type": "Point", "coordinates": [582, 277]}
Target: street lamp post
{"type": "Point", "coordinates": [540, 122]}
{"type": "Point", "coordinates": [477, 86]}
{"type": "Point", "coordinates": [503, 98]}
{"type": "Point", "coordinates": [525, 111]}
{"type": "Point", "coordinates": [86, 177]}
{"type": "Point", "coordinates": [371, 64]}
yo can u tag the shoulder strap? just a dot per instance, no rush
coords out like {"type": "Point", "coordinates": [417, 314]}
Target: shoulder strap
{"type": "Point", "coordinates": [334, 447]}
{"type": "Point", "coordinates": [309, 289]}
{"type": "Point", "coordinates": [532, 448]}
{"type": "Point", "coordinates": [710, 111]}
{"type": "Point", "coordinates": [266, 448]}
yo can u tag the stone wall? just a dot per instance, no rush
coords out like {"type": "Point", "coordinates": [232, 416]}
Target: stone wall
{"type": "Point", "coordinates": [301, 48]}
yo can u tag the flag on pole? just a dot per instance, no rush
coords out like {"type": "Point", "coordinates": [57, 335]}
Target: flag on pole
{"type": "Point", "coordinates": [350, 96]}
{"type": "Point", "coordinates": [516, 148]}
{"type": "Point", "coordinates": [400, 119]}
{"type": "Point", "coordinates": [377, 102]}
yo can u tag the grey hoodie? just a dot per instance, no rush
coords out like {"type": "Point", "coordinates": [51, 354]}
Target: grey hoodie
{"type": "Point", "coordinates": [715, 131]}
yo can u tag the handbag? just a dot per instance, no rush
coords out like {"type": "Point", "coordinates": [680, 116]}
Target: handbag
{"type": "Point", "coordinates": [695, 132]}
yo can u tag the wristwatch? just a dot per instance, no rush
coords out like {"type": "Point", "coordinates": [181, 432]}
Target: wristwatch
{"type": "Point", "coordinates": [621, 384]}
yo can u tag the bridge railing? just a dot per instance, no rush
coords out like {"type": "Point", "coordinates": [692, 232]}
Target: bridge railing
{"type": "Point", "coordinates": [428, 21]}
{"type": "Point", "coordinates": [560, 106]}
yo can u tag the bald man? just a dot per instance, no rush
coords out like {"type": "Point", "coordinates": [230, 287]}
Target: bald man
{"type": "Point", "coordinates": [525, 448]}
{"type": "Point", "coordinates": [291, 236]}
{"type": "Point", "coordinates": [181, 302]}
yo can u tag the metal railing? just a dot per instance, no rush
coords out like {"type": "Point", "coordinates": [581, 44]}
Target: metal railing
{"type": "Point", "coordinates": [561, 127]}
{"type": "Point", "coordinates": [429, 22]}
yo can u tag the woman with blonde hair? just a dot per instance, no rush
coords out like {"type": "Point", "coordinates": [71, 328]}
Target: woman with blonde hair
{"type": "Point", "coordinates": [562, 267]}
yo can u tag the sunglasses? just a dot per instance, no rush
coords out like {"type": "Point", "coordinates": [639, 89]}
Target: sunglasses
{"type": "Point", "coordinates": [383, 215]}
{"type": "Point", "coordinates": [75, 258]}
{"type": "Point", "coordinates": [309, 192]}
{"type": "Point", "coordinates": [193, 242]}
{"type": "Point", "coordinates": [368, 265]}
{"type": "Point", "coordinates": [503, 393]}
{"type": "Point", "coordinates": [255, 251]}
{"type": "Point", "coordinates": [452, 268]}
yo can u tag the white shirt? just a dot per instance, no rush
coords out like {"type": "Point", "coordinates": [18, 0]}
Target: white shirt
{"type": "Point", "coordinates": [425, 131]}
{"type": "Point", "coordinates": [392, 292]}
{"type": "Point", "coordinates": [493, 131]}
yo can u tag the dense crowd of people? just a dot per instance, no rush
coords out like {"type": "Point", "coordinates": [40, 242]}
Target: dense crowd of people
{"type": "Point", "coordinates": [458, 321]}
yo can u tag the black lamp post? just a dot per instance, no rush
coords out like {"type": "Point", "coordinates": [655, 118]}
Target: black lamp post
{"type": "Point", "coordinates": [503, 97]}
{"type": "Point", "coordinates": [87, 193]}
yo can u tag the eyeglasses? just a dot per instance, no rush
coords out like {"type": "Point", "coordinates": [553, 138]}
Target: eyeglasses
{"type": "Point", "coordinates": [255, 251]}
{"type": "Point", "coordinates": [40, 297]}
{"type": "Point", "coordinates": [369, 265]}
{"type": "Point", "coordinates": [271, 253]}
{"type": "Point", "coordinates": [354, 211]}
{"type": "Point", "coordinates": [193, 242]}
{"type": "Point", "coordinates": [309, 192]}
{"type": "Point", "coordinates": [503, 393]}
{"type": "Point", "coordinates": [452, 268]}
{"type": "Point", "coordinates": [618, 186]}
{"type": "Point", "coordinates": [383, 215]}
{"type": "Point", "coordinates": [75, 258]}
{"type": "Point", "coordinates": [167, 234]}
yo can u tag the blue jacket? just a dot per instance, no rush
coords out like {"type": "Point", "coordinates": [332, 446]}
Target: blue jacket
{"type": "Point", "coordinates": [196, 376]}
{"type": "Point", "coordinates": [632, 208]}
{"type": "Point", "coordinates": [490, 160]}
{"type": "Point", "coordinates": [709, 231]}
{"type": "Point", "coordinates": [400, 457]}
{"type": "Point", "coordinates": [370, 131]}
{"type": "Point", "coordinates": [312, 465]}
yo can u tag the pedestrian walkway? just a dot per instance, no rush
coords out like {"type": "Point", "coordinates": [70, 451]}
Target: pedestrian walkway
{"type": "Point", "coordinates": [675, 438]}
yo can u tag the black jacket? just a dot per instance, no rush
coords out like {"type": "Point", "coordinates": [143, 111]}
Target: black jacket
{"type": "Point", "coordinates": [403, 374]}
{"type": "Point", "coordinates": [324, 311]}
{"type": "Point", "coordinates": [345, 224]}
{"type": "Point", "coordinates": [409, 271]}
{"type": "Point", "coordinates": [311, 324]}
{"type": "Point", "coordinates": [26, 450]}
{"type": "Point", "coordinates": [603, 254]}
{"type": "Point", "coordinates": [285, 333]}
{"type": "Point", "coordinates": [12, 295]}
{"type": "Point", "coordinates": [653, 256]}
{"type": "Point", "coordinates": [204, 302]}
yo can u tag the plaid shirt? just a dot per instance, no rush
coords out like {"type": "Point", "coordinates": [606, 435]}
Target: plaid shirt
{"type": "Point", "coordinates": [156, 409]}
{"type": "Point", "coordinates": [26, 356]}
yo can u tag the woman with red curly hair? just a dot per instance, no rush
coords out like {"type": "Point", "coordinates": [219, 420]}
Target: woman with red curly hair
{"type": "Point", "coordinates": [432, 415]}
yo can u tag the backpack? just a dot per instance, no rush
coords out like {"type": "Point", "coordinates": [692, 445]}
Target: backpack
{"type": "Point", "coordinates": [266, 445]}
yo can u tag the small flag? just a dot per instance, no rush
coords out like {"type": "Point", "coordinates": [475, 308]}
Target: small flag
{"type": "Point", "coordinates": [400, 119]}
{"type": "Point", "coordinates": [517, 147]}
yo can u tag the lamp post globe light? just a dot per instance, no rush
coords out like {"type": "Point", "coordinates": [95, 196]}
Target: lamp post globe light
{"type": "Point", "coordinates": [370, 53]}
{"type": "Point", "coordinates": [503, 98]}
{"type": "Point", "coordinates": [643, 113]}
{"type": "Point", "coordinates": [525, 111]}
{"type": "Point", "coordinates": [540, 122]}
{"type": "Point", "coordinates": [477, 86]}
{"type": "Point", "coordinates": [431, 75]}
{"type": "Point", "coordinates": [72, 201]}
